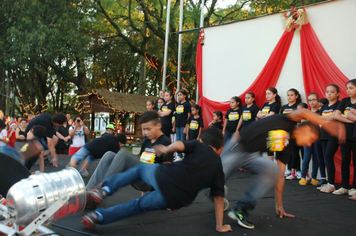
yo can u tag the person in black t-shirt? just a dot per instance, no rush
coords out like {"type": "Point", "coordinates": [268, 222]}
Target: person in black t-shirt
{"type": "Point", "coordinates": [270, 134]}
{"type": "Point", "coordinates": [351, 115]}
{"type": "Point", "coordinates": [217, 120]}
{"type": "Point", "coordinates": [232, 118]}
{"type": "Point", "coordinates": [166, 113]}
{"type": "Point", "coordinates": [182, 113]}
{"type": "Point", "coordinates": [49, 122]}
{"type": "Point", "coordinates": [329, 144]}
{"type": "Point", "coordinates": [113, 163]}
{"type": "Point", "coordinates": [345, 106]}
{"type": "Point", "coordinates": [176, 185]}
{"type": "Point", "coordinates": [271, 107]}
{"type": "Point", "coordinates": [249, 111]}
{"type": "Point", "coordinates": [294, 99]}
{"type": "Point", "coordinates": [194, 123]}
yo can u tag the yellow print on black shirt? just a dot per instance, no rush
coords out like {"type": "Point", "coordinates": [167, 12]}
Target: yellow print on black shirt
{"type": "Point", "coordinates": [194, 125]}
{"type": "Point", "coordinates": [233, 116]}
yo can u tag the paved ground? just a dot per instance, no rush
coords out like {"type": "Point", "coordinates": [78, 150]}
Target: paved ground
{"type": "Point", "coordinates": [316, 214]}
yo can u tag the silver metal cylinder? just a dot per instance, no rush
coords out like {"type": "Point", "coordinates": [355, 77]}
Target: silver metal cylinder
{"type": "Point", "coordinates": [28, 198]}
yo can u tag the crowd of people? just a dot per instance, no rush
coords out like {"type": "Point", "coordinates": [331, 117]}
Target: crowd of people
{"type": "Point", "coordinates": [175, 146]}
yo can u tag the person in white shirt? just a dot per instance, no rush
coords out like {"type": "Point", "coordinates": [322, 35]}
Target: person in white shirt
{"type": "Point", "coordinates": [77, 132]}
{"type": "Point", "coordinates": [3, 133]}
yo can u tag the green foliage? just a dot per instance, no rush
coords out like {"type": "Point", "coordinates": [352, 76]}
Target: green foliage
{"type": "Point", "coordinates": [54, 50]}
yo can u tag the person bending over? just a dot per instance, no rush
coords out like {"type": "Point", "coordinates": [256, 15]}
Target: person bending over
{"type": "Point", "coordinates": [272, 134]}
{"type": "Point", "coordinates": [95, 150]}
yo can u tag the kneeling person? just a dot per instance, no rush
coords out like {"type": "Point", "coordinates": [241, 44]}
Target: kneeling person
{"type": "Point", "coordinates": [113, 163]}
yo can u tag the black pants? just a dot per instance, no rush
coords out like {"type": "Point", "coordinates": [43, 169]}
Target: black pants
{"type": "Point", "coordinates": [330, 147]}
{"type": "Point", "coordinates": [294, 160]}
{"type": "Point", "coordinates": [167, 129]}
{"type": "Point", "coordinates": [346, 149]}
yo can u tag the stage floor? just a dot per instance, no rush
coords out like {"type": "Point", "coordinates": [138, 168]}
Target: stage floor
{"type": "Point", "coordinates": [315, 213]}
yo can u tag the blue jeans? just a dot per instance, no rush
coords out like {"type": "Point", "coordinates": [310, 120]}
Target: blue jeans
{"type": "Point", "coordinates": [151, 201]}
{"type": "Point", "coordinates": [81, 154]}
{"type": "Point", "coordinates": [180, 136]}
{"type": "Point", "coordinates": [309, 152]}
{"type": "Point", "coordinates": [263, 169]}
{"type": "Point", "coordinates": [227, 138]}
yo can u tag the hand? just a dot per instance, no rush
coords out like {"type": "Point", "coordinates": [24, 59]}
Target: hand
{"type": "Point", "coordinates": [54, 162]}
{"type": "Point", "coordinates": [187, 137]}
{"type": "Point", "coordinates": [281, 213]}
{"type": "Point", "coordinates": [224, 229]}
{"type": "Point", "coordinates": [174, 129]}
{"type": "Point", "coordinates": [160, 149]}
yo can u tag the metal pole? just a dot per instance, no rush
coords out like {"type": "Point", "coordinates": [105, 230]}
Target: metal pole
{"type": "Point", "coordinates": [180, 44]}
{"type": "Point", "coordinates": [7, 110]}
{"type": "Point", "coordinates": [166, 45]}
{"type": "Point", "coordinates": [201, 26]}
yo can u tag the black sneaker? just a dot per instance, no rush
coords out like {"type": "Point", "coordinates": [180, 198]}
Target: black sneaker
{"type": "Point", "coordinates": [96, 195]}
{"type": "Point", "coordinates": [90, 220]}
{"type": "Point", "coordinates": [241, 216]}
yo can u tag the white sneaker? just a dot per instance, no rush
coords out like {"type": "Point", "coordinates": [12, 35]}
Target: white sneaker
{"type": "Point", "coordinates": [177, 159]}
{"type": "Point", "coordinates": [84, 173]}
{"type": "Point", "coordinates": [341, 191]}
{"type": "Point", "coordinates": [298, 175]}
{"type": "Point", "coordinates": [290, 177]}
{"type": "Point", "coordinates": [352, 191]}
{"type": "Point", "coordinates": [287, 173]}
{"type": "Point", "coordinates": [328, 188]}
{"type": "Point", "coordinates": [321, 186]}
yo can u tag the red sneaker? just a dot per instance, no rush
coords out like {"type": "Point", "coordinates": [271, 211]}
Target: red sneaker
{"type": "Point", "coordinates": [96, 195]}
{"type": "Point", "coordinates": [90, 220]}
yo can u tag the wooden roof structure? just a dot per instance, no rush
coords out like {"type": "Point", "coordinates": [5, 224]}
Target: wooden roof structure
{"type": "Point", "coordinates": [103, 100]}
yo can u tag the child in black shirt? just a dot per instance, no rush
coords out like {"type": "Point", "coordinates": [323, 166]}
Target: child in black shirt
{"type": "Point", "coordinates": [249, 111]}
{"type": "Point", "coordinates": [182, 113]}
{"type": "Point", "coordinates": [166, 113]}
{"type": "Point", "coordinates": [217, 120]}
{"type": "Point", "coordinates": [194, 123]}
{"type": "Point", "coordinates": [232, 118]}
{"type": "Point", "coordinates": [113, 163]}
{"type": "Point", "coordinates": [344, 107]}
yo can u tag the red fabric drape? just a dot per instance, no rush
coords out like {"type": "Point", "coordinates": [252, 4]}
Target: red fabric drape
{"type": "Point", "coordinates": [318, 72]}
{"type": "Point", "coordinates": [268, 77]}
{"type": "Point", "coordinates": [199, 63]}
{"type": "Point", "coordinates": [318, 69]}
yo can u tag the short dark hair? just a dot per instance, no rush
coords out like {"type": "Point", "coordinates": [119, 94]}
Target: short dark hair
{"type": "Point", "coordinates": [303, 104]}
{"type": "Point", "coordinates": [17, 117]}
{"type": "Point", "coordinates": [314, 128]}
{"type": "Point", "coordinates": [59, 118]}
{"type": "Point", "coordinates": [324, 101]}
{"type": "Point", "coordinates": [121, 138]}
{"type": "Point", "coordinates": [38, 131]}
{"type": "Point", "coordinates": [213, 137]}
{"type": "Point", "coordinates": [150, 116]}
